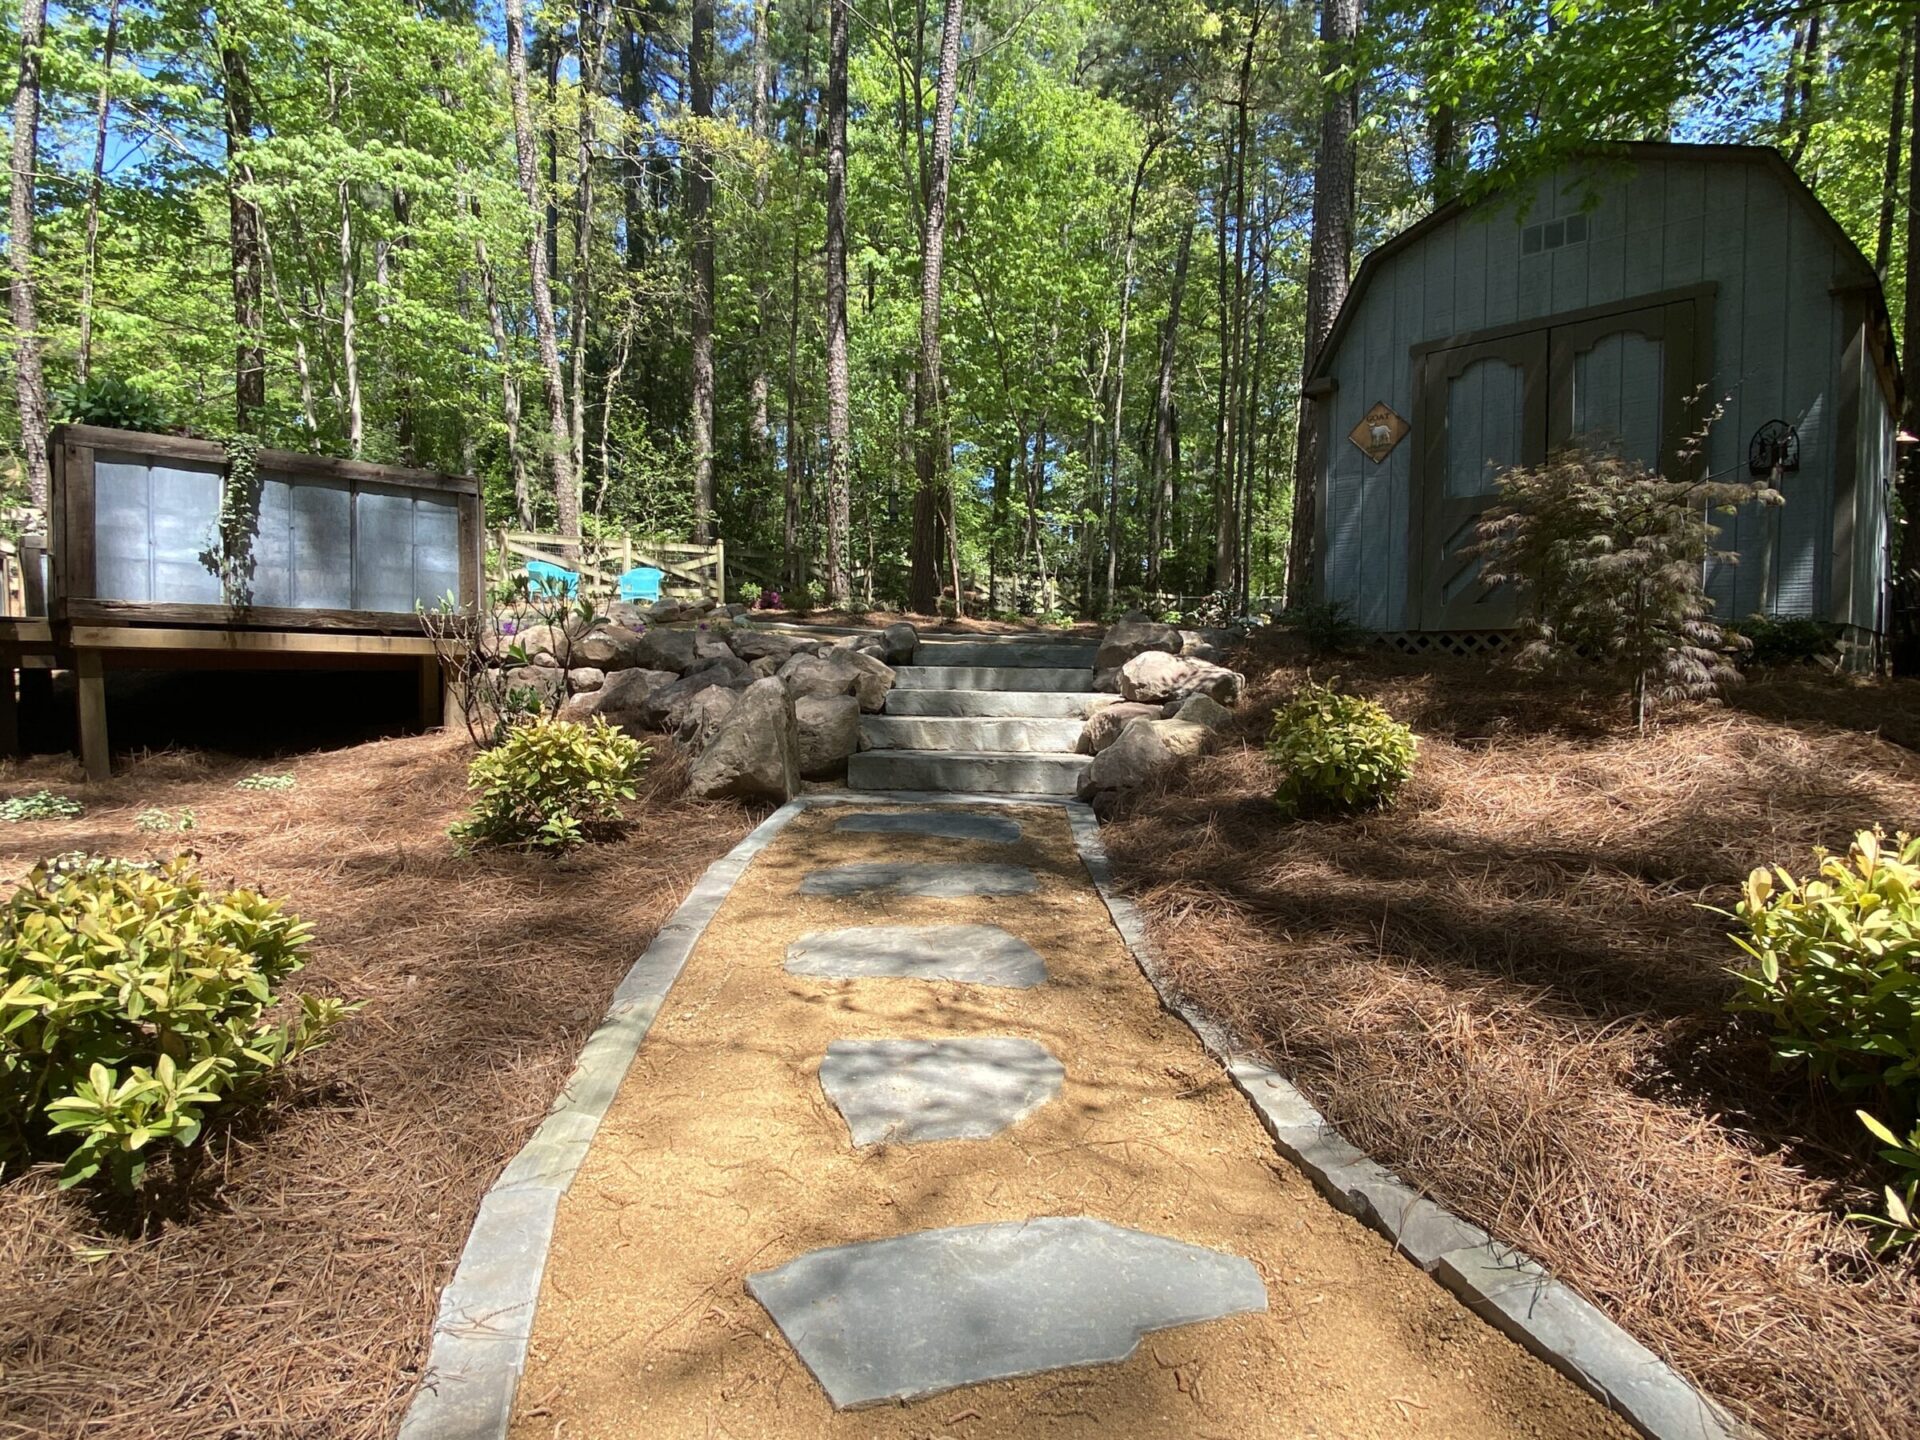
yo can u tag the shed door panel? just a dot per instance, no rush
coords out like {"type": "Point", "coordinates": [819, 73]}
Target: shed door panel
{"type": "Point", "coordinates": [1483, 412]}
{"type": "Point", "coordinates": [1620, 383]}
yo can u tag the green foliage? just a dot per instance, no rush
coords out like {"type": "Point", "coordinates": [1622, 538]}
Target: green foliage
{"type": "Point", "coordinates": [1327, 628]}
{"type": "Point", "coordinates": [1835, 963]}
{"type": "Point", "coordinates": [1337, 752]}
{"type": "Point", "coordinates": [134, 1001]}
{"type": "Point", "coordinates": [1780, 642]}
{"type": "Point", "coordinates": [115, 402]}
{"type": "Point", "coordinates": [1898, 1229]}
{"type": "Point", "coordinates": [265, 780]}
{"type": "Point", "coordinates": [228, 555]}
{"type": "Point", "coordinates": [158, 820]}
{"type": "Point", "coordinates": [40, 805]}
{"type": "Point", "coordinates": [1608, 559]}
{"type": "Point", "coordinates": [551, 784]}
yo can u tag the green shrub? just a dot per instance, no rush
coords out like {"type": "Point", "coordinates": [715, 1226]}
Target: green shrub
{"type": "Point", "coordinates": [1326, 628]}
{"type": "Point", "coordinates": [1772, 642]}
{"type": "Point", "coordinates": [41, 805]}
{"type": "Point", "coordinates": [550, 783]}
{"type": "Point", "coordinates": [1835, 963]}
{"type": "Point", "coordinates": [161, 821]}
{"type": "Point", "coordinates": [265, 781]}
{"type": "Point", "coordinates": [1337, 752]}
{"type": "Point", "coordinates": [1899, 1228]}
{"type": "Point", "coordinates": [111, 400]}
{"type": "Point", "coordinates": [132, 1002]}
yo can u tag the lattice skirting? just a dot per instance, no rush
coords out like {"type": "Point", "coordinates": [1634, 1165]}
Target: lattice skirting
{"type": "Point", "coordinates": [1446, 642]}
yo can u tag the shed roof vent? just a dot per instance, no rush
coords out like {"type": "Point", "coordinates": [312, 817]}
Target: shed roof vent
{"type": "Point", "coordinates": [1552, 234]}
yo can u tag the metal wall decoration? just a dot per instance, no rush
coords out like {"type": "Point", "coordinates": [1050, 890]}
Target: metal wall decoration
{"type": "Point", "coordinates": [1378, 432]}
{"type": "Point", "coordinates": [1774, 449]}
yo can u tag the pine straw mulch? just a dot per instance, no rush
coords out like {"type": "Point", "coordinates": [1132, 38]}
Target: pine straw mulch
{"type": "Point", "coordinates": [288, 1285]}
{"type": "Point", "coordinates": [1507, 989]}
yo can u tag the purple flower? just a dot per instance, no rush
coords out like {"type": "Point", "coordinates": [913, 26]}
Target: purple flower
{"type": "Point", "coordinates": [507, 627]}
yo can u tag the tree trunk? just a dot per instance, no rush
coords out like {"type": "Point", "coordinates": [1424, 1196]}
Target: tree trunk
{"type": "Point", "coordinates": [1890, 188]}
{"type": "Point", "coordinates": [566, 493]}
{"type": "Point", "coordinates": [84, 363]}
{"type": "Point", "coordinates": [760, 438]}
{"type": "Point", "coordinates": [700, 229]}
{"type": "Point", "coordinates": [1906, 579]}
{"type": "Point", "coordinates": [839, 385]}
{"type": "Point", "coordinates": [29, 383]}
{"type": "Point", "coordinates": [1120, 368]}
{"type": "Point", "coordinates": [349, 346]}
{"type": "Point", "coordinates": [243, 220]}
{"type": "Point", "coordinates": [509, 387]}
{"type": "Point", "coordinates": [1164, 419]}
{"type": "Point", "coordinates": [595, 15]}
{"type": "Point", "coordinates": [1329, 254]}
{"type": "Point", "coordinates": [930, 442]}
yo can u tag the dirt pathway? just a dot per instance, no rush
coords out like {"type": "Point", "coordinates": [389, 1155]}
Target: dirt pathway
{"type": "Point", "coordinates": [722, 1157]}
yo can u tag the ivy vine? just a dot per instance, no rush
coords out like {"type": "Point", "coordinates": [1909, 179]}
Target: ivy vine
{"type": "Point", "coordinates": [229, 553]}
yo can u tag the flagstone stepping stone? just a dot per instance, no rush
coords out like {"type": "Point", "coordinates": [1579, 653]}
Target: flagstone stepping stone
{"type": "Point", "coordinates": [926, 880]}
{"type": "Point", "coordinates": [905, 1092]}
{"type": "Point", "coordinates": [961, 826]}
{"type": "Point", "coordinates": [970, 954]}
{"type": "Point", "coordinates": [917, 1314]}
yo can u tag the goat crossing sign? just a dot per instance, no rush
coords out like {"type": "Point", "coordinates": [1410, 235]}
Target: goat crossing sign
{"type": "Point", "coordinates": [1378, 432]}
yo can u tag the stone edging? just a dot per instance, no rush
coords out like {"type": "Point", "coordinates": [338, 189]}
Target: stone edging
{"type": "Point", "coordinates": [485, 1318]}
{"type": "Point", "coordinates": [1498, 1283]}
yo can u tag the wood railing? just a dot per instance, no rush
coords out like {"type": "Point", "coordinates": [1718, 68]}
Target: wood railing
{"type": "Point", "coordinates": [686, 570]}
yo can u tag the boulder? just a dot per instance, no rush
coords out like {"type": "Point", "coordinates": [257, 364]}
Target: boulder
{"type": "Point", "coordinates": [766, 645]}
{"type": "Point", "coordinates": [737, 671]}
{"type": "Point", "coordinates": [1182, 737]}
{"type": "Point", "coordinates": [661, 709]}
{"type": "Point", "coordinates": [544, 644]}
{"type": "Point", "coordinates": [900, 640]}
{"type": "Point", "coordinates": [709, 644]}
{"type": "Point", "coordinates": [625, 612]}
{"type": "Point", "coordinates": [1209, 643]}
{"type": "Point", "coordinates": [579, 707]}
{"type": "Point", "coordinates": [1129, 638]}
{"type": "Point", "coordinates": [766, 665]}
{"type": "Point", "coordinates": [863, 645]}
{"type": "Point", "coordinates": [752, 754]}
{"type": "Point", "coordinates": [694, 718]}
{"type": "Point", "coordinates": [828, 731]}
{"type": "Point", "coordinates": [1134, 758]}
{"type": "Point", "coordinates": [1199, 710]}
{"type": "Point", "coordinates": [621, 700]}
{"type": "Point", "coordinates": [585, 677]}
{"type": "Point", "coordinates": [1155, 677]}
{"type": "Point", "coordinates": [671, 612]}
{"type": "Point", "coordinates": [839, 672]}
{"type": "Point", "coordinates": [1105, 726]}
{"type": "Point", "coordinates": [548, 681]}
{"type": "Point", "coordinates": [668, 650]}
{"type": "Point", "coordinates": [611, 647]}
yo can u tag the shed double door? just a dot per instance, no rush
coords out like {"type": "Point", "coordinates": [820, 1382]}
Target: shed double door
{"type": "Point", "coordinates": [1616, 381]}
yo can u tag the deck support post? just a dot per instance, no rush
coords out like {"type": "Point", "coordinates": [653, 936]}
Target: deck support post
{"type": "Point", "coordinates": [90, 699]}
{"type": "Point", "coordinates": [433, 693]}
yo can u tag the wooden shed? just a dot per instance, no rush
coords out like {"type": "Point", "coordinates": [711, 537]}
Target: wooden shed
{"type": "Point", "coordinates": [1612, 303]}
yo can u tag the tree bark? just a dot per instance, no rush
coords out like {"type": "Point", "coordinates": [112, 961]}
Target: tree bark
{"type": "Point", "coordinates": [1906, 579]}
{"type": "Point", "coordinates": [700, 230]}
{"type": "Point", "coordinates": [243, 220]}
{"type": "Point", "coordinates": [839, 384]}
{"type": "Point", "coordinates": [760, 430]}
{"type": "Point", "coordinates": [509, 386]}
{"type": "Point", "coordinates": [566, 493]}
{"type": "Point", "coordinates": [595, 15]}
{"type": "Point", "coordinates": [102, 110]}
{"type": "Point", "coordinates": [1164, 418]}
{"type": "Point", "coordinates": [29, 382]}
{"type": "Point", "coordinates": [1120, 368]}
{"type": "Point", "coordinates": [1329, 254]}
{"type": "Point", "coordinates": [1890, 188]}
{"type": "Point", "coordinates": [349, 345]}
{"type": "Point", "coordinates": [931, 459]}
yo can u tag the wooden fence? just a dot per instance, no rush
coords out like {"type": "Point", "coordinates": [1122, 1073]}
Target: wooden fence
{"type": "Point", "coordinates": [686, 570]}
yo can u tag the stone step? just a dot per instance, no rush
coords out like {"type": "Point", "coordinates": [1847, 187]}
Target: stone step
{"type": "Point", "coordinates": [1034, 654]}
{"type": "Point", "coordinates": [992, 677]}
{"type": "Point", "coordinates": [996, 704]}
{"type": "Point", "coordinates": [970, 773]}
{"type": "Point", "coordinates": [1026, 737]}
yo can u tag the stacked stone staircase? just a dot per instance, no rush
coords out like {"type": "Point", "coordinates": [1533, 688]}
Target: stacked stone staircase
{"type": "Point", "coordinates": [993, 715]}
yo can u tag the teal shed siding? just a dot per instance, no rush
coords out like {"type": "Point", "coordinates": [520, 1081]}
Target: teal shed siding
{"type": "Point", "coordinates": [1660, 221]}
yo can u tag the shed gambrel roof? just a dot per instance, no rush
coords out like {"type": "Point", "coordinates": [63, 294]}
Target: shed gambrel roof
{"type": "Point", "coordinates": [1630, 154]}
